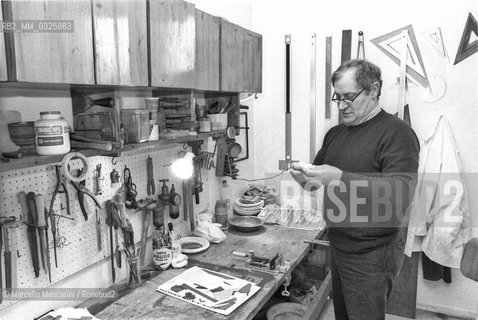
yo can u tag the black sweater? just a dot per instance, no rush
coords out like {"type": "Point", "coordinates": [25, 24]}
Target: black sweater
{"type": "Point", "coordinates": [379, 160]}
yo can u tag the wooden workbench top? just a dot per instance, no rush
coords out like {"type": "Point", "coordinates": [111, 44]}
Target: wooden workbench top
{"type": "Point", "coordinates": [146, 303]}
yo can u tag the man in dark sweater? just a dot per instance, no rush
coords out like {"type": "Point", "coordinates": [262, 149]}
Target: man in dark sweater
{"type": "Point", "coordinates": [368, 167]}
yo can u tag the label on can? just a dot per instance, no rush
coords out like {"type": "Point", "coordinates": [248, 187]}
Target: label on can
{"type": "Point", "coordinates": [162, 258]}
{"type": "Point", "coordinates": [51, 130]}
{"type": "Point", "coordinates": [50, 141]}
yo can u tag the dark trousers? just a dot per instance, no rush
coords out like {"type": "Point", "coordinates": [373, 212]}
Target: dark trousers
{"type": "Point", "coordinates": [362, 282]}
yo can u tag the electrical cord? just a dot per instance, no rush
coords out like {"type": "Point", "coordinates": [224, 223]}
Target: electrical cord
{"type": "Point", "coordinates": [244, 179]}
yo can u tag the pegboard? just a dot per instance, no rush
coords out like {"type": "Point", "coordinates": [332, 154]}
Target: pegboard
{"type": "Point", "coordinates": [77, 246]}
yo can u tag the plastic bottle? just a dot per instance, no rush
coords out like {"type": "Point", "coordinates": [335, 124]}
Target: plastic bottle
{"type": "Point", "coordinates": [226, 195]}
{"type": "Point", "coordinates": [52, 134]}
{"type": "Point", "coordinates": [221, 214]}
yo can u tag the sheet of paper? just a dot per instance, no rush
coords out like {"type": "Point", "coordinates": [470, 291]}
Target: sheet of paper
{"type": "Point", "coordinates": [211, 290]}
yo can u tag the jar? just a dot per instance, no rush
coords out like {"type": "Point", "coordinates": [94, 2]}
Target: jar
{"type": "Point", "coordinates": [220, 213]}
{"type": "Point", "coordinates": [52, 134]}
{"type": "Point", "coordinates": [204, 125]}
{"type": "Point", "coordinates": [136, 124]}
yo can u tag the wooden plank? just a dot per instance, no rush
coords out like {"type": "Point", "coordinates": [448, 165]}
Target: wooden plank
{"type": "Point", "coordinates": [173, 43]}
{"type": "Point", "coordinates": [256, 64]}
{"type": "Point", "coordinates": [207, 51]}
{"type": "Point", "coordinates": [232, 57]}
{"type": "Point", "coordinates": [320, 299]}
{"type": "Point", "coordinates": [120, 39]}
{"type": "Point", "coordinates": [146, 302]}
{"type": "Point", "coordinates": [55, 57]}
{"type": "Point", "coordinates": [253, 62]}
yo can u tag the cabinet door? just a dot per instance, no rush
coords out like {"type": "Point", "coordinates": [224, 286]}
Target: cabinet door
{"type": "Point", "coordinates": [173, 43]}
{"type": "Point", "coordinates": [62, 51]}
{"type": "Point", "coordinates": [207, 51]}
{"type": "Point", "coordinates": [241, 59]}
{"type": "Point", "coordinates": [232, 57]}
{"type": "Point", "coordinates": [121, 56]}
{"type": "Point", "coordinates": [3, 56]}
{"type": "Point", "coordinates": [253, 61]}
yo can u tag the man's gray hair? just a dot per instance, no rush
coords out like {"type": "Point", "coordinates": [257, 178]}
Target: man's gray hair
{"type": "Point", "coordinates": [366, 73]}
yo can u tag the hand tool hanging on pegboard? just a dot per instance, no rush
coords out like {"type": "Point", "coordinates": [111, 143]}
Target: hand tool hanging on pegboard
{"type": "Point", "coordinates": [32, 233]}
{"type": "Point", "coordinates": [99, 237]}
{"type": "Point", "coordinates": [284, 164]}
{"type": "Point", "coordinates": [98, 188]}
{"type": "Point", "coordinates": [45, 253]}
{"type": "Point", "coordinates": [131, 192]}
{"type": "Point", "coordinates": [109, 222]}
{"type": "Point", "coordinates": [60, 183]}
{"type": "Point", "coordinates": [82, 190]}
{"type": "Point", "coordinates": [150, 188]}
{"type": "Point", "coordinates": [7, 229]}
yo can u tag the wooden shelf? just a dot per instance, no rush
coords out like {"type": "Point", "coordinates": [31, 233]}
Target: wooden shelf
{"type": "Point", "coordinates": [31, 159]}
{"type": "Point", "coordinates": [165, 141]}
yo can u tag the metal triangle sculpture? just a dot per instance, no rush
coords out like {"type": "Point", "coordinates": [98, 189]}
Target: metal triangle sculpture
{"type": "Point", "coordinates": [391, 44]}
{"type": "Point", "coordinates": [467, 48]}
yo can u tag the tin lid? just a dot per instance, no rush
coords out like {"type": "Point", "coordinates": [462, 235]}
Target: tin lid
{"type": "Point", "coordinates": [49, 112]}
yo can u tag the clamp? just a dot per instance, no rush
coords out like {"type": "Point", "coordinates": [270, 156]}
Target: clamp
{"type": "Point", "coordinates": [61, 182]}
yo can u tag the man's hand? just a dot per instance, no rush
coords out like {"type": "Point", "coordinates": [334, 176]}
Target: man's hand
{"type": "Point", "coordinates": [305, 173]}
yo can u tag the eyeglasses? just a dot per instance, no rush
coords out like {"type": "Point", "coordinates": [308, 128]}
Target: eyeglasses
{"type": "Point", "coordinates": [337, 98]}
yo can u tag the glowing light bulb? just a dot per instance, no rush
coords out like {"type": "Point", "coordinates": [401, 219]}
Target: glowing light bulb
{"type": "Point", "coordinates": [183, 167]}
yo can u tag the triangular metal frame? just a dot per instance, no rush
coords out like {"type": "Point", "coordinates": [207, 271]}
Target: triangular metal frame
{"type": "Point", "coordinates": [466, 49]}
{"type": "Point", "coordinates": [415, 66]}
{"type": "Point", "coordinates": [435, 39]}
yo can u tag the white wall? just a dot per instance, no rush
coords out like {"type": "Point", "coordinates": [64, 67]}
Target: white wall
{"type": "Point", "coordinates": [301, 19]}
{"type": "Point", "coordinates": [274, 19]}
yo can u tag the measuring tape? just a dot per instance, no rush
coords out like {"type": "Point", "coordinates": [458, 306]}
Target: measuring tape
{"type": "Point", "coordinates": [65, 165]}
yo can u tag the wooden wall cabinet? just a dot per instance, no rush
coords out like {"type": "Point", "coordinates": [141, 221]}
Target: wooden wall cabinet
{"type": "Point", "coordinates": [120, 42]}
{"type": "Point", "coordinates": [53, 56]}
{"type": "Point", "coordinates": [241, 59]}
{"type": "Point", "coordinates": [173, 44]}
{"type": "Point", "coordinates": [207, 51]}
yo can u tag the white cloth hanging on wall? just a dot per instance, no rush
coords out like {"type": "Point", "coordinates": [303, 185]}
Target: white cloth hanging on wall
{"type": "Point", "coordinates": [439, 214]}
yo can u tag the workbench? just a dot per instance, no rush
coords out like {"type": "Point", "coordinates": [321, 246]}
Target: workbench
{"type": "Point", "coordinates": [144, 302]}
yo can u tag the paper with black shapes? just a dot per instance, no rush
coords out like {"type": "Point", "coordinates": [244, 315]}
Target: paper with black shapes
{"type": "Point", "coordinates": [211, 290]}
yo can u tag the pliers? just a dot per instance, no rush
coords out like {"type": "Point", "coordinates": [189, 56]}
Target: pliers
{"type": "Point", "coordinates": [60, 182]}
{"type": "Point", "coordinates": [82, 190]}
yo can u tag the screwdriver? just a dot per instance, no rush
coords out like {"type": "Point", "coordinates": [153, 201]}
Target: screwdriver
{"type": "Point", "coordinates": [31, 231]}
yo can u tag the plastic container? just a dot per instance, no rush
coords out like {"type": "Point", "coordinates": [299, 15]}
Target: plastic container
{"type": "Point", "coordinates": [204, 218]}
{"type": "Point", "coordinates": [52, 134]}
{"type": "Point", "coordinates": [226, 195]}
{"type": "Point", "coordinates": [204, 125]}
{"type": "Point", "coordinates": [136, 124]}
{"type": "Point", "coordinates": [220, 213]}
